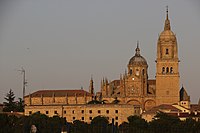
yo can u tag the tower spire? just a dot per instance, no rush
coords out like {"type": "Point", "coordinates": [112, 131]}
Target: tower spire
{"type": "Point", "coordinates": [137, 50]}
{"type": "Point", "coordinates": [91, 89]}
{"type": "Point", "coordinates": [166, 12]}
{"type": "Point", "coordinates": [167, 22]}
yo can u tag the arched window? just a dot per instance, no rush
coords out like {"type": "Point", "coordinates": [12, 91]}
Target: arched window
{"type": "Point", "coordinates": [171, 70]}
{"type": "Point", "coordinates": [131, 72]}
{"type": "Point", "coordinates": [143, 72]}
{"type": "Point", "coordinates": [163, 70]}
{"type": "Point", "coordinates": [167, 51]}
{"type": "Point", "coordinates": [167, 70]}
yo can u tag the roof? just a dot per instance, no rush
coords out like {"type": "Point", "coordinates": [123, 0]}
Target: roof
{"type": "Point", "coordinates": [137, 59]}
{"type": "Point", "coordinates": [183, 95]}
{"type": "Point", "coordinates": [195, 107]}
{"type": "Point", "coordinates": [115, 82]}
{"type": "Point", "coordinates": [162, 107]}
{"type": "Point", "coordinates": [183, 115]}
{"type": "Point", "coordinates": [59, 93]}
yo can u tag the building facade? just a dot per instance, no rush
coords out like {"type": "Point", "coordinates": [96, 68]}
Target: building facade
{"type": "Point", "coordinates": [84, 112]}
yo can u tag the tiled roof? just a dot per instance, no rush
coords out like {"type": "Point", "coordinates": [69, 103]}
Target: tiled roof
{"type": "Point", "coordinates": [161, 107]}
{"type": "Point", "coordinates": [185, 114]}
{"type": "Point", "coordinates": [195, 107]}
{"type": "Point", "coordinates": [59, 93]}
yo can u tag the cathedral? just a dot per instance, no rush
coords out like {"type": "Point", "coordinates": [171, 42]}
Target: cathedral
{"type": "Point", "coordinates": [132, 94]}
{"type": "Point", "coordinates": [135, 88]}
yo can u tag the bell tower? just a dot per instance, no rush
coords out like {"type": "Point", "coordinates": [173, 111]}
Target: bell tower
{"type": "Point", "coordinates": [167, 67]}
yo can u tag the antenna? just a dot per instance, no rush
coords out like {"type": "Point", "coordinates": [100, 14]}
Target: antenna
{"type": "Point", "coordinates": [24, 82]}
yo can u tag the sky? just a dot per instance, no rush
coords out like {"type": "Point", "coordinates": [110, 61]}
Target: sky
{"type": "Point", "coordinates": [61, 43]}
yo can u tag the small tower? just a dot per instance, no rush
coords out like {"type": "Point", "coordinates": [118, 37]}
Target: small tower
{"type": "Point", "coordinates": [167, 67]}
{"type": "Point", "coordinates": [184, 98]}
{"type": "Point", "coordinates": [91, 89]}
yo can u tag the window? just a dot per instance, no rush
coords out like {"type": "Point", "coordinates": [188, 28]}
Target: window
{"type": "Point", "coordinates": [73, 111]}
{"type": "Point", "coordinates": [90, 118]}
{"type": "Point", "coordinates": [55, 112]}
{"type": "Point", "coordinates": [65, 111]}
{"type": "Point", "coordinates": [167, 70]}
{"type": "Point", "coordinates": [39, 112]}
{"type": "Point", "coordinates": [82, 118]}
{"type": "Point", "coordinates": [116, 111]}
{"type": "Point", "coordinates": [116, 118]}
{"type": "Point", "coordinates": [131, 72]}
{"type": "Point", "coordinates": [99, 111]}
{"type": "Point", "coordinates": [171, 70]}
{"type": "Point", "coordinates": [163, 70]}
{"type": "Point", "coordinates": [90, 111]}
{"type": "Point", "coordinates": [167, 51]}
{"type": "Point", "coordinates": [47, 112]}
{"type": "Point", "coordinates": [107, 111]}
{"type": "Point", "coordinates": [82, 111]}
{"type": "Point", "coordinates": [143, 72]}
{"type": "Point", "coordinates": [30, 112]}
{"type": "Point", "coordinates": [74, 118]}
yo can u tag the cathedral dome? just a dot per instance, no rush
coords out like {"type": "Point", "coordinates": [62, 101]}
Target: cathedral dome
{"type": "Point", "coordinates": [137, 59]}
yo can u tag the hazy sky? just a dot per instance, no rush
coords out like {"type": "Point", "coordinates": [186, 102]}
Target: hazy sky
{"type": "Point", "coordinates": [61, 43]}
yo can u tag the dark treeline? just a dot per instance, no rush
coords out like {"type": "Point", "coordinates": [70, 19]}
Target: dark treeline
{"type": "Point", "coordinates": [161, 124]}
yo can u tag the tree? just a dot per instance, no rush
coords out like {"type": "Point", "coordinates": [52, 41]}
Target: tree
{"type": "Point", "coordinates": [99, 124]}
{"type": "Point", "coordinates": [80, 127]}
{"type": "Point", "coordinates": [20, 105]}
{"type": "Point", "coordinates": [10, 105]}
{"type": "Point", "coordinates": [190, 125]}
{"type": "Point", "coordinates": [165, 123]}
{"type": "Point", "coordinates": [124, 127]}
{"type": "Point", "coordinates": [137, 124]}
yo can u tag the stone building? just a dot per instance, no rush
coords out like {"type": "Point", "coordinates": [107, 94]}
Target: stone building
{"type": "Point", "coordinates": [132, 94]}
{"type": "Point", "coordinates": [84, 112]}
{"type": "Point", "coordinates": [135, 88]}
